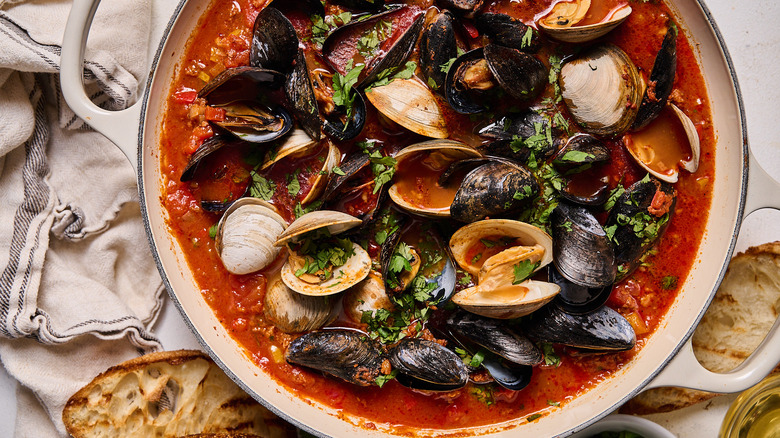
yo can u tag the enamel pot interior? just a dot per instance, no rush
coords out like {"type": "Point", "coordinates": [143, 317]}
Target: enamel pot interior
{"type": "Point", "coordinates": [696, 292]}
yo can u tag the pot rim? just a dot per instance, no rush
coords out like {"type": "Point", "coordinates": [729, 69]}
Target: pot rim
{"type": "Point", "coordinates": [593, 418]}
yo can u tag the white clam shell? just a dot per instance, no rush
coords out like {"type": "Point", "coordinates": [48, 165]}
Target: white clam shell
{"type": "Point", "coordinates": [411, 104]}
{"type": "Point", "coordinates": [368, 295]}
{"type": "Point", "coordinates": [292, 312]}
{"type": "Point", "coordinates": [336, 222]}
{"type": "Point", "coordinates": [345, 276]}
{"type": "Point", "coordinates": [571, 33]}
{"type": "Point", "coordinates": [602, 89]}
{"type": "Point", "coordinates": [297, 142]}
{"type": "Point", "coordinates": [246, 235]}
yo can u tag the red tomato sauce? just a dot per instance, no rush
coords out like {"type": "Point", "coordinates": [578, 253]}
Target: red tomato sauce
{"type": "Point", "coordinates": [222, 41]}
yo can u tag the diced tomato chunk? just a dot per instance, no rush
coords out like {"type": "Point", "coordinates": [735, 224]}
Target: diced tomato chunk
{"type": "Point", "coordinates": [215, 114]}
{"type": "Point", "coordinates": [185, 96]}
{"type": "Point", "coordinates": [470, 29]}
{"type": "Point", "coordinates": [199, 134]}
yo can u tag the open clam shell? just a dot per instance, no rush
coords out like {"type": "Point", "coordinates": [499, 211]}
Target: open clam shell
{"type": "Point", "coordinates": [320, 182]}
{"type": "Point", "coordinates": [522, 233]}
{"type": "Point", "coordinates": [367, 296]}
{"type": "Point", "coordinates": [602, 89]}
{"type": "Point", "coordinates": [246, 234]}
{"type": "Point", "coordinates": [292, 312]}
{"type": "Point", "coordinates": [335, 221]}
{"type": "Point", "coordinates": [411, 104]}
{"type": "Point", "coordinates": [297, 143]}
{"type": "Point", "coordinates": [664, 158]}
{"type": "Point", "coordinates": [441, 151]}
{"type": "Point", "coordinates": [561, 22]}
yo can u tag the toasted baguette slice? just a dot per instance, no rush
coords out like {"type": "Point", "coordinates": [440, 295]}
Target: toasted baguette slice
{"type": "Point", "coordinates": [741, 314]}
{"type": "Point", "coordinates": [167, 394]}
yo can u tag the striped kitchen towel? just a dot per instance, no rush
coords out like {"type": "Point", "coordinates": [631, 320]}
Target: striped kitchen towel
{"type": "Point", "coordinates": [78, 286]}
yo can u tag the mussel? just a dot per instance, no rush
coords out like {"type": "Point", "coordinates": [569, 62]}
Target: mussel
{"type": "Point", "coordinates": [511, 134]}
{"type": "Point", "coordinates": [437, 47]}
{"type": "Point", "coordinates": [508, 31]}
{"type": "Point", "coordinates": [601, 330]}
{"type": "Point", "coordinates": [274, 41]}
{"type": "Point", "coordinates": [427, 365]}
{"type": "Point", "coordinates": [495, 336]}
{"type": "Point", "coordinates": [660, 82]}
{"type": "Point", "coordinates": [346, 354]}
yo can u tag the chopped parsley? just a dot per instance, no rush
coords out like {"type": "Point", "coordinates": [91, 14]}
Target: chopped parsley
{"type": "Point", "coordinates": [368, 43]}
{"type": "Point", "coordinates": [213, 231]}
{"type": "Point", "coordinates": [299, 210]}
{"type": "Point", "coordinates": [384, 378]}
{"type": "Point", "coordinates": [383, 167]}
{"type": "Point", "coordinates": [465, 280]}
{"type": "Point", "coordinates": [472, 360]}
{"type": "Point", "coordinates": [523, 270]}
{"type": "Point", "coordinates": [614, 195]}
{"type": "Point", "coordinates": [343, 91]}
{"type": "Point", "coordinates": [534, 417]}
{"type": "Point", "coordinates": [386, 76]}
{"type": "Point", "coordinates": [337, 170]}
{"type": "Point", "coordinates": [293, 186]}
{"type": "Point", "coordinates": [553, 403]}
{"type": "Point", "coordinates": [527, 38]}
{"type": "Point", "coordinates": [261, 187]}
{"type": "Point", "coordinates": [484, 393]}
{"type": "Point", "coordinates": [322, 253]}
{"type": "Point", "coordinates": [550, 357]}
{"type": "Point", "coordinates": [320, 28]}
{"type": "Point", "coordinates": [401, 260]}
{"type": "Point", "coordinates": [669, 282]}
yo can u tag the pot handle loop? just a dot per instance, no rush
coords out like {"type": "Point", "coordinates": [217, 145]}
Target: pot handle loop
{"type": "Point", "coordinates": [684, 369]}
{"type": "Point", "coordinates": [121, 127]}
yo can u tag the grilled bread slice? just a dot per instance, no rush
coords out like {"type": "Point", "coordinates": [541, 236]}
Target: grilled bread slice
{"type": "Point", "coordinates": [167, 394]}
{"type": "Point", "coordinates": [741, 314]}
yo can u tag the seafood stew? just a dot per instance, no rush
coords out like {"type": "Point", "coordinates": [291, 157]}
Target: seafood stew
{"type": "Point", "coordinates": [539, 188]}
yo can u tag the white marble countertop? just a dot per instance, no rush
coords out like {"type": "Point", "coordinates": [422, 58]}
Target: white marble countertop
{"type": "Point", "coordinates": [753, 40]}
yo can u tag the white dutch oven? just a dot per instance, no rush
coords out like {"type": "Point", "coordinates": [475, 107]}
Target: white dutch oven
{"type": "Point", "coordinates": [741, 187]}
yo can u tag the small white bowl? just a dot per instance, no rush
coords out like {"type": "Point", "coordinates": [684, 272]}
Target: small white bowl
{"type": "Point", "coordinates": [620, 422]}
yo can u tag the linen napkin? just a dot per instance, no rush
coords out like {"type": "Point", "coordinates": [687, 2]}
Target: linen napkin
{"type": "Point", "coordinates": [78, 288]}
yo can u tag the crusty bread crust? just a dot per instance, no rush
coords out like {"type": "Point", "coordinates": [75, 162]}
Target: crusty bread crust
{"type": "Point", "coordinates": [167, 394]}
{"type": "Point", "coordinates": [741, 314]}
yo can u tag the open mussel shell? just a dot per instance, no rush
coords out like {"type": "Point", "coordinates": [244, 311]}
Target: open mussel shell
{"type": "Point", "coordinates": [602, 330]}
{"type": "Point", "coordinates": [346, 354]}
{"type": "Point", "coordinates": [496, 187]}
{"type": "Point", "coordinates": [396, 55]}
{"type": "Point", "coordinates": [522, 125]}
{"type": "Point", "coordinates": [524, 234]}
{"type": "Point", "coordinates": [246, 234]}
{"type": "Point", "coordinates": [240, 83]}
{"type": "Point", "coordinates": [361, 5]}
{"type": "Point", "coordinates": [495, 336]}
{"type": "Point", "coordinates": [602, 89]}
{"type": "Point", "coordinates": [351, 166]}
{"type": "Point", "coordinates": [437, 47]}
{"type": "Point", "coordinates": [427, 365]}
{"type": "Point", "coordinates": [521, 75]}
{"type": "Point", "coordinates": [561, 22]}
{"type": "Point", "coordinates": [337, 127]}
{"type": "Point", "coordinates": [652, 201]}
{"type": "Point", "coordinates": [576, 299]}
{"type": "Point", "coordinates": [411, 104]}
{"type": "Point", "coordinates": [321, 180]}
{"type": "Point", "coordinates": [211, 144]}
{"type": "Point", "coordinates": [445, 151]}
{"type": "Point", "coordinates": [582, 251]}
{"type": "Point", "coordinates": [300, 94]}
{"type": "Point", "coordinates": [661, 82]}
{"type": "Point", "coordinates": [456, 90]}
{"type": "Point", "coordinates": [292, 312]}
{"type": "Point", "coordinates": [507, 31]}
{"type": "Point", "coordinates": [664, 158]}
{"type": "Point", "coordinates": [367, 296]}
{"type": "Point", "coordinates": [274, 41]}
{"type": "Point", "coordinates": [581, 149]}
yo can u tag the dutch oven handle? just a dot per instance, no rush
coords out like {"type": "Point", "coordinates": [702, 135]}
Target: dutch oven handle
{"type": "Point", "coordinates": [684, 369]}
{"type": "Point", "coordinates": [121, 127]}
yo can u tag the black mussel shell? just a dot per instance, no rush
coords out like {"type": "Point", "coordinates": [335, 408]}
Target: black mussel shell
{"type": "Point", "coordinates": [463, 6]}
{"type": "Point", "coordinates": [586, 189]}
{"type": "Point", "coordinates": [240, 84]}
{"type": "Point", "coordinates": [661, 82]}
{"type": "Point", "coordinates": [427, 365]}
{"type": "Point", "coordinates": [255, 122]}
{"type": "Point", "coordinates": [522, 125]}
{"type": "Point", "coordinates": [300, 94]}
{"type": "Point", "coordinates": [576, 299]}
{"type": "Point", "coordinates": [580, 152]}
{"type": "Point", "coordinates": [211, 144]}
{"type": "Point", "coordinates": [274, 41]}
{"type": "Point", "coordinates": [437, 47]}
{"type": "Point", "coordinates": [508, 31]}
{"type": "Point", "coordinates": [495, 336]}
{"type": "Point", "coordinates": [349, 167]}
{"type": "Point", "coordinates": [396, 56]}
{"type": "Point", "coordinates": [603, 329]}
{"type": "Point", "coordinates": [346, 354]}
{"type": "Point", "coordinates": [507, 374]}
{"type": "Point", "coordinates": [312, 7]}
{"type": "Point", "coordinates": [459, 96]}
{"type": "Point", "coordinates": [582, 252]}
{"type": "Point", "coordinates": [494, 188]}
{"type": "Point", "coordinates": [335, 127]}
{"type": "Point", "coordinates": [635, 205]}
{"type": "Point", "coordinates": [361, 5]}
{"type": "Point", "coordinates": [521, 75]}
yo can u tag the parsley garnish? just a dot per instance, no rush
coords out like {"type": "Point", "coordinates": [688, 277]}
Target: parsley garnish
{"type": "Point", "coordinates": [534, 417]}
{"type": "Point", "coordinates": [616, 193]}
{"type": "Point", "coordinates": [527, 37]}
{"type": "Point", "coordinates": [322, 253]}
{"type": "Point", "coordinates": [553, 403]}
{"type": "Point", "coordinates": [383, 167]}
{"type": "Point", "coordinates": [337, 170]}
{"type": "Point", "coordinates": [343, 93]}
{"type": "Point", "coordinates": [465, 280]}
{"type": "Point", "coordinates": [550, 358]}
{"type": "Point", "coordinates": [669, 282]}
{"type": "Point", "coordinates": [386, 76]}
{"type": "Point", "coordinates": [213, 230]}
{"type": "Point", "coordinates": [293, 186]}
{"type": "Point", "coordinates": [523, 270]}
{"type": "Point", "coordinates": [321, 28]}
{"type": "Point", "coordinates": [382, 379]}
{"type": "Point", "coordinates": [261, 187]}
{"type": "Point", "coordinates": [368, 43]}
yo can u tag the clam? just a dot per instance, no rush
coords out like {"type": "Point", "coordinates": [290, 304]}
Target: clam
{"type": "Point", "coordinates": [503, 290]}
{"type": "Point", "coordinates": [292, 312]}
{"type": "Point", "coordinates": [298, 143]}
{"type": "Point", "coordinates": [427, 365]}
{"type": "Point", "coordinates": [309, 276]}
{"type": "Point", "coordinates": [321, 180]}
{"type": "Point", "coordinates": [411, 104]}
{"type": "Point", "coordinates": [246, 234]}
{"type": "Point", "coordinates": [418, 190]}
{"type": "Point", "coordinates": [489, 234]}
{"type": "Point", "coordinates": [347, 354]}
{"type": "Point", "coordinates": [367, 296]}
{"type": "Point", "coordinates": [668, 143]}
{"type": "Point", "coordinates": [602, 89]}
{"type": "Point", "coordinates": [563, 21]}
